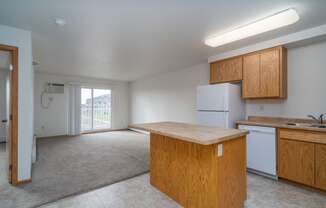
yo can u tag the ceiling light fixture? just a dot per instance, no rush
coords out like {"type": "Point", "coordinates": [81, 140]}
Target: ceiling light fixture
{"type": "Point", "coordinates": [60, 21]}
{"type": "Point", "coordinates": [280, 19]}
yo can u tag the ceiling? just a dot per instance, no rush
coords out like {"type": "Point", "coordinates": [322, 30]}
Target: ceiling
{"type": "Point", "coordinates": [128, 39]}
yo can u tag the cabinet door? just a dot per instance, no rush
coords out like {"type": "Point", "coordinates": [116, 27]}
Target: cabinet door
{"type": "Point", "coordinates": [321, 166]}
{"type": "Point", "coordinates": [229, 70]}
{"type": "Point", "coordinates": [270, 73]}
{"type": "Point", "coordinates": [251, 76]}
{"type": "Point", "coordinates": [213, 73]}
{"type": "Point", "coordinates": [296, 161]}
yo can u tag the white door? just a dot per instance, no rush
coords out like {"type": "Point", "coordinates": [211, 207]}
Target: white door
{"type": "Point", "coordinates": [8, 124]}
{"type": "Point", "coordinates": [8, 105]}
{"type": "Point", "coordinates": [212, 97]}
{"type": "Point", "coordinates": [3, 129]}
{"type": "Point", "coordinates": [3, 105]}
{"type": "Point", "coordinates": [213, 119]}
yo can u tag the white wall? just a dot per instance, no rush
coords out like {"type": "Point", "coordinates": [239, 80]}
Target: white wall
{"type": "Point", "coordinates": [171, 96]}
{"type": "Point", "coordinates": [54, 120]}
{"type": "Point", "coordinates": [167, 97]}
{"type": "Point", "coordinates": [306, 85]}
{"type": "Point", "coordinates": [22, 40]}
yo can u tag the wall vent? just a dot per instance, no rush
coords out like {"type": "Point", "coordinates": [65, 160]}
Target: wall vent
{"type": "Point", "coordinates": [55, 88]}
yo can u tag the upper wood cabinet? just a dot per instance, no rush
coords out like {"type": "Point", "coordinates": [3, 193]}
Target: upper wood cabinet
{"type": "Point", "coordinates": [264, 74]}
{"type": "Point", "coordinates": [228, 70]}
{"type": "Point", "coordinates": [251, 76]}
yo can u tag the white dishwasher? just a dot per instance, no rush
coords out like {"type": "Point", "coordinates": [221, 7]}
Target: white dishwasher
{"type": "Point", "coordinates": [261, 150]}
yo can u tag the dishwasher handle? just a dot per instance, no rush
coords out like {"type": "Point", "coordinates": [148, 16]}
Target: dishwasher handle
{"type": "Point", "coordinates": [258, 129]}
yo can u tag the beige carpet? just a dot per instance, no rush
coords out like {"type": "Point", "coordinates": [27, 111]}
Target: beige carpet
{"type": "Point", "coordinates": [72, 165]}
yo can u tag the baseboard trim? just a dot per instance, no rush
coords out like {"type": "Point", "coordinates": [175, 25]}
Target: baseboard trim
{"type": "Point", "coordinates": [64, 135]}
{"type": "Point", "coordinates": [86, 132]}
{"type": "Point", "coordinates": [19, 183]}
{"type": "Point", "coordinates": [103, 131]}
{"type": "Point", "coordinates": [303, 186]}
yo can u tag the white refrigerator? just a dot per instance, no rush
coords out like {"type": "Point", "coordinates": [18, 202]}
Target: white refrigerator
{"type": "Point", "coordinates": [219, 105]}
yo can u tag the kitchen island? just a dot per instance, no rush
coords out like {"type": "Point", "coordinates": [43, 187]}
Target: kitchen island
{"type": "Point", "coordinates": [198, 166]}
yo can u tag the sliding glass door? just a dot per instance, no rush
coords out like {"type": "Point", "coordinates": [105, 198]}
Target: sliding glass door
{"type": "Point", "coordinates": [95, 109]}
{"type": "Point", "coordinates": [86, 109]}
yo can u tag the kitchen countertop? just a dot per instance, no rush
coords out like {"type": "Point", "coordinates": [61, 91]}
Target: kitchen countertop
{"type": "Point", "coordinates": [191, 133]}
{"type": "Point", "coordinates": [281, 123]}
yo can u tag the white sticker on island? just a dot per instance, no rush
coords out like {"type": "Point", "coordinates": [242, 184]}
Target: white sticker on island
{"type": "Point", "coordinates": [219, 150]}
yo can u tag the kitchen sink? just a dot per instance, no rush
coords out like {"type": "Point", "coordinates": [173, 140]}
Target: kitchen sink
{"type": "Point", "coordinates": [299, 124]}
{"type": "Point", "coordinates": [307, 125]}
{"type": "Point", "coordinates": [318, 126]}
{"type": "Point", "coordinates": [292, 124]}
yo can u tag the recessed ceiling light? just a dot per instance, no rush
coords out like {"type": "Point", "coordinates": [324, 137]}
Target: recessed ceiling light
{"type": "Point", "coordinates": [275, 21]}
{"type": "Point", "coordinates": [60, 21]}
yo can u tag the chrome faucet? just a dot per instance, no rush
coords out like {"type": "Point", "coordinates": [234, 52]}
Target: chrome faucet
{"type": "Point", "coordinates": [320, 119]}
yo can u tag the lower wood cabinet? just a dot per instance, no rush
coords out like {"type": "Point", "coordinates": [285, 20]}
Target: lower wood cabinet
{"type": "Point", "coordinates": [321, 166]}
{"type": "Point", "coordinates": [296, 161]}
{"type": "Point", "coordinates": [302, 157]}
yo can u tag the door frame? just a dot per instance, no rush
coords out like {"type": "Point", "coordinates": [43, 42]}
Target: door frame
{"type": "Point", "coordinates": [13, 123]}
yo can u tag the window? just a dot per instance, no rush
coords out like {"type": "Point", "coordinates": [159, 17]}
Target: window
{"type": "Point", "coordinates": [95, 109]}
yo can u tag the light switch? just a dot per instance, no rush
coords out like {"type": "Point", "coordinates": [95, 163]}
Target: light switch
{"type": "Point", "coordinates": [219, 150]}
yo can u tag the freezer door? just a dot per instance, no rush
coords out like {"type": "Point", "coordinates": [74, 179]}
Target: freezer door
{"type": "Point", "coordinates": [212, 97]}
{"type": "Point", "coordinates": [213, 119]}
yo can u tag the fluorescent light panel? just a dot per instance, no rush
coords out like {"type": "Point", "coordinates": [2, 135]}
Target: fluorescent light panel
{"type": "Point", "coordinates": [273, 22]}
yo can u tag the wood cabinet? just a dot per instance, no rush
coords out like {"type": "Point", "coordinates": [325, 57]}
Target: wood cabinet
{"type": "Point", "coordinates": [270, 73]}
{"type": "Point", "coordinates": [302, 157]}
{"type": "Point", "coordinates": [264, 74]}
{"type": "Point", "coordinates": [195, 176]}
{"type": "Point", "coordinates": [251, 76]}
{"type": "Point", "coordinates": [296, 161]}
{"type": "Point", "coordinates": [321, 166]}
{"type": "Point", "coordinates": [229, 70]}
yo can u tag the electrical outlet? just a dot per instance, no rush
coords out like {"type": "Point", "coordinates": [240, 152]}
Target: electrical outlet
{"type": "Point", "coordinates": [261, 107]}
{"type": "Point", "coordinates": [219, 150]}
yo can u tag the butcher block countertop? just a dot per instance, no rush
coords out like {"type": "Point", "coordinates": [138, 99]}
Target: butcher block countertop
{"type": "Point", "coordinates": [191, 133]}
{"type": "Point", "coordinates": [277, 122]}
